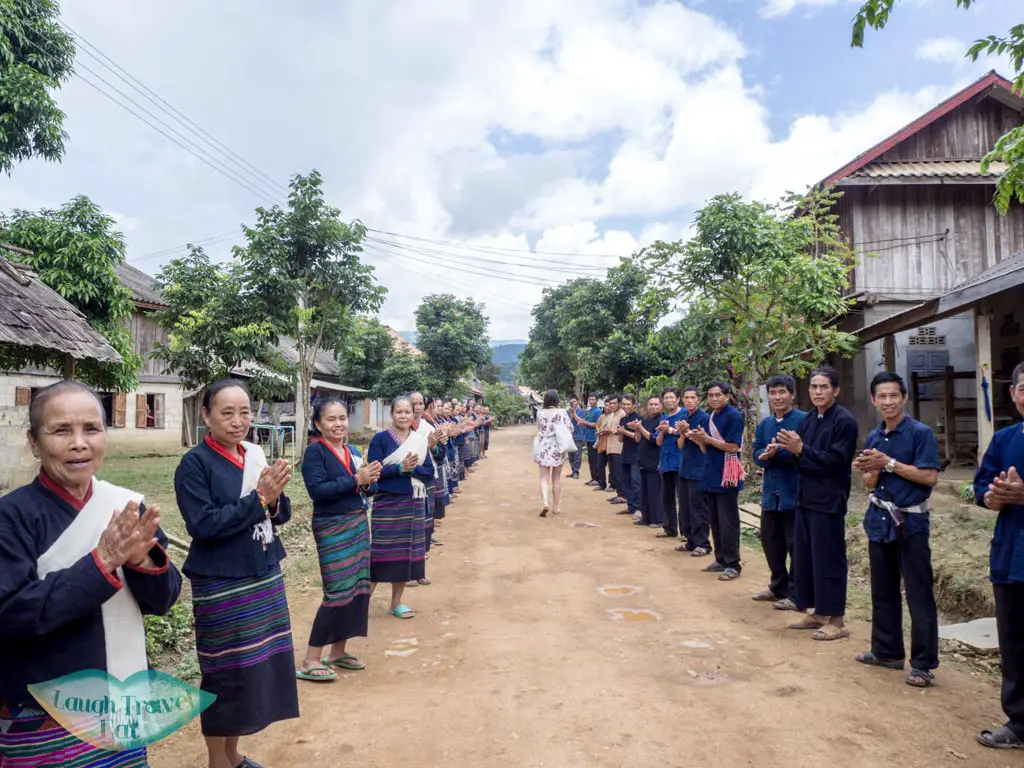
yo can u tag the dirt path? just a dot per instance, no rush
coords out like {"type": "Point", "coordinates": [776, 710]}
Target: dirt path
{"type": "Point", "coordinates": [517, 662]}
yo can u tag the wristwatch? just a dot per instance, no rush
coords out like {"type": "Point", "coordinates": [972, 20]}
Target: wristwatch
{"type": "Point", "coordinates": [891, 466]}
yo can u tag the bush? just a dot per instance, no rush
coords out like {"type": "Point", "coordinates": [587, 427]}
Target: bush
{"type": "Point", "coordinates": [171, 633]}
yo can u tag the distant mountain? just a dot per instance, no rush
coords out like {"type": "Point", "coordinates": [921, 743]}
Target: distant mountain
{"type": "Point", "coordinates": [503, 354]}
{"type": "Point", "coordinates": [503, 342]}
{"type": "Point", "coordinates": [411, 336]}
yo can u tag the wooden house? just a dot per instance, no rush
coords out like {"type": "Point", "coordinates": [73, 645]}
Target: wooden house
{"type": "Point", "coordinates": [34, 316]}
{"type": "Point", "coordinates": [148, 419]}
{"type": "Point", "coordinates": [918, 213]}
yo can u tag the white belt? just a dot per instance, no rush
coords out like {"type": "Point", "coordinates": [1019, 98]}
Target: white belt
{"type": "Point", "coordinates": [889, 507]}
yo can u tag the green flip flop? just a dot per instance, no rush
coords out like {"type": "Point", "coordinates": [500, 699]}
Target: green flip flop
{"type": "Point", "coordinates": [307, 674]}
{"type": "Point", "coordinates": [345, 661]}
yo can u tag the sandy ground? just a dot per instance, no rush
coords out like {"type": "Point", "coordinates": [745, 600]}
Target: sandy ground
{"type": "Point", "coordinates": [519, 660]}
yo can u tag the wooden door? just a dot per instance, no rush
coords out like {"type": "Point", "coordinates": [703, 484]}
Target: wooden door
{"type": "Point", "coordinates": [140, 411]}
{"type": "Point", "coordinates": [120, 402]}
{"type": "Point", "coordinates": [158, 411]}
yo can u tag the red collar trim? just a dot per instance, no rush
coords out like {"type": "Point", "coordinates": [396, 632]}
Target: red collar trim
{"type": "Point", "coordinates": [63, 493]}
{"type": "Point", "coordinates": [430, 421]}
{"type": "Point", "coordinates": [346, 459]}
{"type": "Point", "coordinates": [237, 459]}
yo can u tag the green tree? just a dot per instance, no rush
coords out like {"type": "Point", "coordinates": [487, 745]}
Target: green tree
{"type": "Point", "coordinates": [546, 361]}
{"type": "Point", "coordinates": [365, 353]}
{"type": "Point", "coordinates": [402, 374]}
{"type": "Point", "coordinates": [213, 328]}
{"type": "Point", "coordinates": [505, 405]}
{"type": "Point", "coordinates": [303, 269]}
{"type": "Point", "coordinates": [74, 251]}
{"type": "Point", "coordinates": [775, 276]}
{"type": "Point", "coordinates": [1009, 148]}
{"type": "Point", "coordinates": [452, 335]}
{"type": "Point", "coordinates": [490, 373]}
{"type": "Point", "coordinates": [36, 56]}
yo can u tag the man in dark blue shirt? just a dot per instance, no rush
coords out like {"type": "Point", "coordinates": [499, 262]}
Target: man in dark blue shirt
{"type": "Point", "coordinates": [998, 486]}
{"type": "Point", "coordinates": [694, 517]}
{"type": "Point", "coordinates": [630, 459]}
{"type": "Point", "coordinates": [824, 444]}
{"type": "Point", "coordinates": [579, 431]}
{"type": "Point", "coordinates": [670, 461]}
{"type": "Point", "coordinates": [590, 419]}
{"type": "Point", "coordinates": [649, 457]}
{"type": "Point", "coordinates": [723, 478]}
{"type": "Point", "coordinates": [900, 465]}
{"type": "Point", "coordinates": [778, 490]}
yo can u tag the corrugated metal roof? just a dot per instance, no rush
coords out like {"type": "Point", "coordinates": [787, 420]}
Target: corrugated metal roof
{"type": "Point", "coordinates": [928, 169]}
{"type": "Point", "coordinates": [1003, 267]}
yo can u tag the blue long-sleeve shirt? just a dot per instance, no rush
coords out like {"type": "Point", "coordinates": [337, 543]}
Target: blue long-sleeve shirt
{"type": "Point", "coordinates": [392, 479]}
{"type": "Point", "coordinates": [778, 490]}
{"type": "Point", "coordinates": [825, 464]}
{"type": "Point", "coordinates": [1006, 557]}
{"type": "Point", "coordinates": [331, 486]}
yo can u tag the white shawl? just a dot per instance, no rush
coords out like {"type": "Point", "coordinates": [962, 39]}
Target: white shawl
{"type": "Point", "coordinates": [415, 443]}
{"type": "Point", "coordinates": [255, 462]}
{"type": "Point", "coordinates": [123, 630]}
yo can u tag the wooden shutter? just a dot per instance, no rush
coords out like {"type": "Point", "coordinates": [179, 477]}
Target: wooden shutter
{"type": "Point", "coordinates": [140, 411]}
{"type": "Point", "coordinates": [22, 396]}
{"type": "Point", "coordinates": [158, 411]}
{"type": "Point", "coordinates": [120, 409]}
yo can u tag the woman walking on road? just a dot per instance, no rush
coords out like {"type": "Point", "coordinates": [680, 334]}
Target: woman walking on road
{"type": "Point", "coordinates": [547, 453]}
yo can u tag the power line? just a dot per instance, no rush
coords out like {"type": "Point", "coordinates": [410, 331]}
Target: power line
{"type": "Point", "coordinates": [212, 240]}
{"type": "Point", "coordinates": [96, 52]}
{"type": "Point", "coordinates": [494, 248]}
{"type": "Point", "coordinates": [481, 271]}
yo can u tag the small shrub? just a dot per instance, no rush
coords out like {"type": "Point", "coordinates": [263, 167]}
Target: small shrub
{"type": "Point", "coordinates": [967, 491]}
{"type": "Point", "coordinates": [171, 633]}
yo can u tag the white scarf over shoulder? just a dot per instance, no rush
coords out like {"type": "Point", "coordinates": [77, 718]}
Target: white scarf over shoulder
{"type": "Point", "coordinates": [416, 443]}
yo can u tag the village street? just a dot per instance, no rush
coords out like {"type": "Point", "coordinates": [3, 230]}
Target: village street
{"type": "Point", "coordinates": [515, 661]}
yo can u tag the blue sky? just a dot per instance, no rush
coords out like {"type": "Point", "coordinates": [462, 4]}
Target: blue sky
{"type": "Point", "coordinates": [580, 130]}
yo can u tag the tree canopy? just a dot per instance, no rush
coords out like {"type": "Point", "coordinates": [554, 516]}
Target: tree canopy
{"type": "Point", "coordinates": [1009, 148]}
{"type": "Point", "coordinates": [36, 57]}
{"type": "Point", "coordinates": [365, 354]}
{"type": "Point", "coordinates": [452, 335]}
{"type": "Point", "coordinates": [74, 251]}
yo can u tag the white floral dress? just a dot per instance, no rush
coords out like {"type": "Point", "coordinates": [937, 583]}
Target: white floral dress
{"type": "Point", "coordinates": [547, 453]}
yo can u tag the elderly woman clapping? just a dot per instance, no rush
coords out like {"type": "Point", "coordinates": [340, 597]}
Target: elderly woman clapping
{"type": "Point", "coordinates": [79, 557]}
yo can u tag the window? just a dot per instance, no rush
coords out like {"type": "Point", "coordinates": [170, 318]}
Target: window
{"type": "Point", "coordinates": [149, 411]}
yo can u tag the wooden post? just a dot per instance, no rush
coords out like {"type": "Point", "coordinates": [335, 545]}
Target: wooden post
{"type": "Point", "coordinates": [915, 400]}
{"type": "Point", "coordinates": [983, 368]}
{"type": "Point", "coordinates": [949, 403]}
{"type": "Point", "coordinates": [889, 352]}
{"type": "Point", "coordinates": [69, 367]}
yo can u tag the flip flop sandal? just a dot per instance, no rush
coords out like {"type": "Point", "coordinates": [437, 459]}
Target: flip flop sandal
{"type": "Point", "coordinates": [413, 583]}
{"type": "Point", "coordinates": [767, 596]}
{"type": "Point", "coordinates": [919, 678]}
{"type": "Point", "coordinates": [345, 661]}
{"type": "Point", "coordinates": [831, 632]}
{"type": "Point", "coordinates": [424, 582]}
{"type": "Point", "coordinates": [248, 762]}
{"type": "Point", "coordinates": [806, 624]}
{"type": "Point", "coordinates": [1001, 738]}
{"type": "Point", "coordinates": [307, 674]}
{"type": "Point", "coordinates": [663, 535]}
{"type": "Point", "coordinates": [402, 612]}
{"type": "Point", "coordinates": [873, 661]}
{"type": "Point", "coordinates": [700, 552]}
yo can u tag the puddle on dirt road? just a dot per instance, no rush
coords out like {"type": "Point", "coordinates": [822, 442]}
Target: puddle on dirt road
{"type": "Point", "coordinates": [579, 524]}
{"type": "Point", "coordinates": [633, 614]}
{"type": "Point", "coordinates": [618, 590]}
{"type": "Point", "coordinates": [695, 644]}
{"type": "Point", "coordinates": [405, 647]}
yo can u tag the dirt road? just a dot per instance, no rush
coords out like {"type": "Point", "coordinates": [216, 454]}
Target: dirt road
{"type": "Point", "coordinates": [517, 661]}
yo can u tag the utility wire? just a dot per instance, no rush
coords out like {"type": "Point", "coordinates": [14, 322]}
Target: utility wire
{"type": "Point", "coordinates": [472, 259]}
{"type": "Point", "coordinates": [494, 248]}
{"type": "Point", "coordinates": [212, 240]}
{"type": "Point", "coordinates": [481, 271]}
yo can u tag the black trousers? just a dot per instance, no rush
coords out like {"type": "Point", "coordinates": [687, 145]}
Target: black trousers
{"type": "Point", "coordinates": [631, 479]}
{"type": "Point", "coordinates": [694, 514]}
{"type": "Point", "coordinates": [593, 461]}
{"type": "Point", "coordinates": [911, 559]}
{"type": "Point", "coordinates": [615, 472]}
{"type": "Point", "coordinates": [819, 561]}
{"type": "Point", "coordinates": [1010, 625]}
{"type": "Point", "coordinates": [669, 495]}
{"type": "Point", "coordinates": [650, 497]}
{"type": "Point", "coordinates": [725, 527]}
{"type": "Point", "coordinates": [601, 462]}
{"type": "Point", "coordinates": [777, 543]}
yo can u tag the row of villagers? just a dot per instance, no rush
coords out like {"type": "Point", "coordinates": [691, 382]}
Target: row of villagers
{"type": "Point", "coordinates": [938, 297]}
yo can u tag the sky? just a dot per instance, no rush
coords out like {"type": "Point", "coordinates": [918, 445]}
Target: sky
{"type": "Point", "coordinates": [492, 148]}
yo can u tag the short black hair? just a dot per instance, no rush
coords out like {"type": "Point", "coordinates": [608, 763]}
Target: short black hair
{"type": "Point", "coordinates": [781, 380]}
{"type": "Point", "coordinates": [592, 395]}
{"type": "Point", "coordinates": [673, 390]}
{"type": "Point", "coordinates": [691, 388]}
{"type": "Point", "coordinates": [887, 377]}
{"type": "Point", "coordinates": [609, 398]}
{"type": "Point", "coordinates": [1015, 376]}
{"type": "Point", "coordinates": [572, 396]}
{"type": "Point", "coordinates": [629, 397]}
{"type": "Point", "coordinates": [722, 385]}
{"type": "Point", "coordinates": [322, 403]}
{"type": "Point", "coordinates": [46, 394]}
{"type": "Point", "coordinates": [219, 386]}
{"type": "Point", "coordinates": [551, 398]}
{"type": "Point", "coordinates": [828, 372]}
{"type": "Point", "coordinates": [654, 397]}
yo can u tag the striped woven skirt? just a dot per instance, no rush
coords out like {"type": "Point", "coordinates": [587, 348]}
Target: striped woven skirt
{"type": "Point", "coordinates": [428, 516]}
{"type": "Point", "coordinates": [398, 538]}
{"type": "Point", "coordinates": [30, 738]}
{"type": "Point", "coordinates": [244, 645]}
{"type": "Point", "coordinates": [441, 492]}
{"type": "Point", "coordinates": [343, 544]}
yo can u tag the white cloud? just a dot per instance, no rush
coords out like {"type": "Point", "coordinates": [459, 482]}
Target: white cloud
{"type": "Point", "coordinates": [585, 126]}
{"type": "Point", "coordinates": [771, 9]}
{"type": "Point", "coordinates": [946, 50]}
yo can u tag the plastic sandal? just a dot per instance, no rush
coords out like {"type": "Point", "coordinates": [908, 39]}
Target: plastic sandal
{"type": "Point", "coordinates": [873, 661]}
{"type": "Point", "coordinates": [830, 632]}
{"type": "Point", "coordinates": [1001, 738]}
{"type": "Point", "coordinates": [402, 612]}
{"type": "Point", "coordinates": [919, 678]}
{"type": "Point", "coordinates": [345, 661]}
{"type": "Point", "coordinates": [307, 674]}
